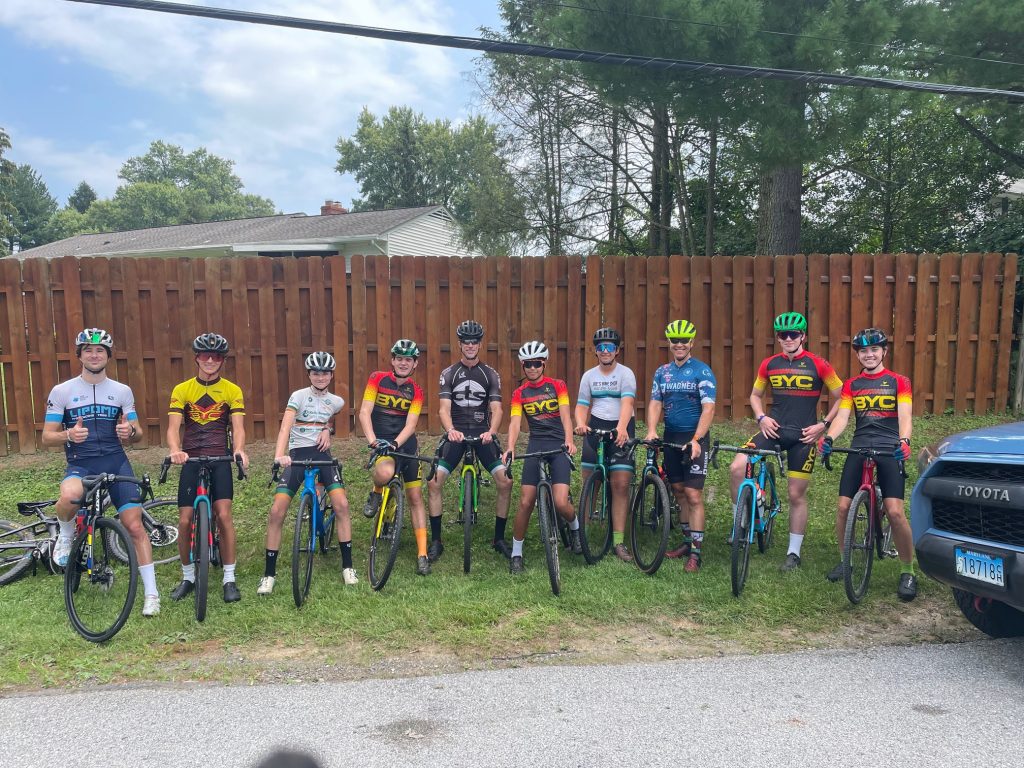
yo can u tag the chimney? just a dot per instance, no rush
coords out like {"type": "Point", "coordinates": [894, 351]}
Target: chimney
{"type": "Point", "coordinates": [332, 208]}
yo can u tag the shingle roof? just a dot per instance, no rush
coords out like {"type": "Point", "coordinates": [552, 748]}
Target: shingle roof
{"type": "Point", "coordinates": [287, 228]}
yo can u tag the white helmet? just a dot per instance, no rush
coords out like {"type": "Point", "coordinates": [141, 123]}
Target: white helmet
{"type": "Point", "coordinates": [320, 361]}
{"type": "Point", "coordinates": [533, 350]}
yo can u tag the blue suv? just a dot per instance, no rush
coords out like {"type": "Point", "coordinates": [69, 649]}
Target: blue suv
{"type": "Point", "coordinates": [967, 514]}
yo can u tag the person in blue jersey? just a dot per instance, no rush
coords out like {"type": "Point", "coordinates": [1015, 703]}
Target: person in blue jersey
{"type": "Point", "coordinates": [605, 401]}
{"type": "Point", "coordinates": [684, 391]}
{"type": "Point", "coordinates": [93, 417]}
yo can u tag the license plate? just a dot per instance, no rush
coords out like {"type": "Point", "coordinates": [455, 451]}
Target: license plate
{"type": "Point", "coordinates": [979, 566]}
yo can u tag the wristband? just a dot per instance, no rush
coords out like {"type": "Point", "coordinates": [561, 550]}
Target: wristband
{"type": "Point", "coordinates": [762, 416]}
{"type": "Point", "coordinates": [905, 440]}
{"type": "Point", "coordinates": [133, 432]}
{"type": "Point", "coordinates": [827, 423]}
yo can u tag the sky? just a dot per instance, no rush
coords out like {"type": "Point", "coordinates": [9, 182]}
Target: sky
{"type": "Point", "coordinates": [85, 87]}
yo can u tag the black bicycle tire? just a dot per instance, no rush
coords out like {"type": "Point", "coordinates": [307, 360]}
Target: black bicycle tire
{"type": "Point", "coordinates": [149, 506]}
{"type": "Point", "coordinates": [658, 519]}
{"type": "Point", "coordinates": [549, 536]}
{"type": "Point", "coordinates": [201, 555]}
{"type": "Point", "coordinates": [391, 536]}
{"type": "Point", "coordinates": [740, 555]}
{"type": "Point", "coordinates": [303, 542]}
{"type": "Point", "coordinates": [73, 581]}
{"type": "Point", "coordinates": [856, 585]}
{"type": "Point", "coordinates": [13, 568]}
{"type": "Point", "coordinates": [764, 538]}
{"type": "Point", "coordinates": [468, 497]}
{"type": "Point", "coordinates": [595, 547]}
{"type": "Point", "coordinates": [328, 517]}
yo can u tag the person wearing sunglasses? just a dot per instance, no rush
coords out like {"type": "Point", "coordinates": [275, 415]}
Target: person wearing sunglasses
{"type": "Point", "coordinates": [797, 378]}
{"type": "Point", "coordinates": [684, 390]}
{"type": "Point", "coordinates": [207, 418]}
{"type": "Point", "coordinates": [605, 401]}
{"type": "Point", "coordinates": [545, 403]}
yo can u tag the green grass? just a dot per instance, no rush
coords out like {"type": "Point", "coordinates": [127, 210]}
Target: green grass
{"type": "Point", "coordinates": [449, 620]}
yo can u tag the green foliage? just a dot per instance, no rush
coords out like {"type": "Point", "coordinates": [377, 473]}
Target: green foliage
{"type": "Point", "coordinates": [34, 206]}
{"type": "Point", "coordinates": [7, 209]}
{"type": "Point", "coordinates": [83, 196]}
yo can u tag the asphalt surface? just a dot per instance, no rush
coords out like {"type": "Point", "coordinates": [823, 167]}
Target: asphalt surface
{"type": "Point", "coordinates": [934, 706]}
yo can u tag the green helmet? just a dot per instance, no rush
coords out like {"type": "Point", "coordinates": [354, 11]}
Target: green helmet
{"type": "Point", "coordinates": [791, 321]}
{"type": "Point", "coordinates": [680, 329]}
{"type": "Point", "coordinates": [405, 348]}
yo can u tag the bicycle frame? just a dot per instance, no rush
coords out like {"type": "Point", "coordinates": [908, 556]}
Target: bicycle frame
{"type": "Point", "coordinates": [202, 493]}
{"type": "Point", "coordinates": [383, 451]}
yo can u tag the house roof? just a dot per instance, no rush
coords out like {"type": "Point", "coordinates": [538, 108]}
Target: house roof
{"type": "Point", "coordinates": [266, 230]}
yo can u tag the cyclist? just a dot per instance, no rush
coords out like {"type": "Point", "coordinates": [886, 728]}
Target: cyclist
{"type": "Point", "coordinates": [470, 405]}
{"type": "Point", "coordinates": [212, 412]}
{"type": "Point", "coordinates": [389, 412]}
{"type": "Point", "coordinates": [684, 389]}
{"type": "Point", "coordinates": [545, 402]}
{"type": "Point", "coordinates": [306, 434]}
{"type": "Point", "coordinates": [882, 402]}
{"type": "Point", "coordinates": [797, 378]}
{"type": "Point", "coordinates": [605, 401]}
{"type": "Point", "coordinates": [93, 417]}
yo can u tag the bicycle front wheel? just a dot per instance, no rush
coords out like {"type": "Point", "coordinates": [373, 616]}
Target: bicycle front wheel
{"type": "Point", "coordinates": [595, 519]}
{"type": "Point", "coordinates": [387, 531]}
{"type": "Point", "coordinates": [303, 547]}
{"type": "Point", "coordinates": [650, 523]}
{"type": "Point", "coordinates": [858, 547]}
{"type": "Point", "coordinates": [326, 534]}
{"type": "Point", "coordinates": [99, 589]}
{"type": "Point", "coordinates": [468, 510]}
{"type": "Point", "coordinates": [549, 535]}
{"type": "Point", "coordinates": [160, 519]}
{"type": "Point", "coordinates": [16, 552]}
{"type": "Point", "coordinates": [769, 512]}
{"type": "Point", "coordinates": [741, 520]}
{"type": "Point", "coordinates": [202, 548]}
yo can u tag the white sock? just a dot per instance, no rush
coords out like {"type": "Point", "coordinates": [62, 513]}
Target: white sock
{"type": "Point", "coordinates": [188, 572]}
{"type": "Point", "coordinates": [148, 574]}
{"type": "Point", "coordinates": [67, 528]}
{"type": "Point", "coordinates": [796, 540]}
{"type": "Point", "coordinates": [575, 524]}
{"type": "Point", "coordinates": [517, 547]}
{"type": "Point", "coordinates": [229, 573]}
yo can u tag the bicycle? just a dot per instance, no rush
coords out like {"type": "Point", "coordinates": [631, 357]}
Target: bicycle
{"type": "Point", "coordinates": [314, 523]}
{"type": "Point", "coordinates": [757, 506]}
{"type": "Point", "coordinates": [547, 516]}
{"type": "Point", "coordinates": [867, 526]}
{"type": "Point", "coordinates": [98, 594]}
{"type": "Point", "coordinates": [596, 504]}
{"type": "Point", "coordinates": [470, 480]}
{"type": "Point", "coordinates": [387, 524]}
{"type": "Point", "coordinates": [204, 545]}
{"type": "Point", "coordinates": [651, 508]}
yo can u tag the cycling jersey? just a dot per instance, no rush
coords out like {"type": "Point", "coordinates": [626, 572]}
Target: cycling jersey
{"type": "Point", "coordinates": [471, 389]}
{"type": "Point", "coordinates": [539, 401]}
{"type": "Point", "coordinates": [313, 410]}
{"type": "Point", "coordinates": [683, 390]}
{"type": "Point", "coordinates": [602, 392]}
{"type": "Point", "coordinates": [796, 387]}
{"type": "Point", "coordinates": [100, 406]}
{"type": "Point", "coordinates": [874, 398]}
{"type": "Point", "coordinates": [392, 403]}
{"type": "Point", "coordinates": [206, 408]}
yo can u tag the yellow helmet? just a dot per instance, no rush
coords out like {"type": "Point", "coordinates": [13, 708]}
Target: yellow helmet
{"type": "Point", "coordinates": [680, 329]}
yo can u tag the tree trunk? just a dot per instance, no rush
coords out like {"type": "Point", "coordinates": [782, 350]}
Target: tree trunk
{"type": "Point", "coordinates": [779, 200]}
{"type": "Point", "coordinates": [661, 193]}
{"type": "Point", "coordinates": [709, 215]}
{"type": "Point", "coordinates": [613, 213]}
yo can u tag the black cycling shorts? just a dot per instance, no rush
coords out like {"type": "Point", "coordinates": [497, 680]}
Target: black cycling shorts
{"type": "Point", "coordinates": [559, 464]}
{"type": "Point", "coordinates": [800, 456]}
{"type": "Point", "coordinates": [677, 464]}
{"type": "Point", "coordinates": [615, 458]}
{"type": "Point", "coordinates": [121, 494]}
{"type": "Point", "coordinates": [488, 454]}
{"type": "Point", "coordinates": [222, 483]}
{"type": "Point", "coordinates": [887, 473]}
{"type": "Point", "coordinates": [294, 475]}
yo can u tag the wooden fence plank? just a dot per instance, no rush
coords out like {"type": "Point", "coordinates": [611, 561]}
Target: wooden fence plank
{"type": "Point", "coordinates": [698, 310]}
{"type": "Point", "coordinates": [926, 284]}
{"type": "Point", "coordinates": [949, 268]}
{"type": "Point", "coordinates": [360, 364]}
{"type": "Point", "coordinates": [134, 344]}
{"type": "Point", "coordinates": [860, 313]}
{"type": "Point", "coordinates": [721, 328]}
{"type": "Point", "coordinates": [36, 286]}
{"type": "Point", "coordinates": [968, 342]}
{"type": "Point", "coordinates": [1005, 333]}
{"type": "Point", "coordinates": [20, 406]}
{"type": "Point", "coordinates": [883, 283]}
{"type": "Point", "coordinates": [762, 306]}
{"type": "Point", "coordinates": [578, 335]}
{"type": "Point", "coordinates": [339, 342]}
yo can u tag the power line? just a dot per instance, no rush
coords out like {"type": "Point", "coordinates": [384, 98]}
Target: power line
{"type": "Point", "coordinates": [650, 63]}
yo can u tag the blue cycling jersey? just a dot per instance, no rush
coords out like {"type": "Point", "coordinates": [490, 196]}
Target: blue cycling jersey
{"type": "Point", "coordinates": [682, 391]}
{"type": "Point", "coordinates": [99, 406]}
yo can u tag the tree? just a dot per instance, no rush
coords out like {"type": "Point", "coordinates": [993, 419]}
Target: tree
{"type": "Point", "coordinates": [82, 197]}
{"type": "Point", "coordinates": [7, 210]}
{"type": "Point", "coordinates": [34, 205]}
{"type": "Point", "coordinates": [403, 160]}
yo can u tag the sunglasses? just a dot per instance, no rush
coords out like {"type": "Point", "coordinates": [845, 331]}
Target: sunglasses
{"type": "Point", "coordinates": [606, 346]}
{"type": "Point", "coordinates": [209, 357]}
{"type": "Point", "coordinates": [533, 363]}
{"type": "Point", "coordinates": [467, 342]}
{"type": "Point", "coordinates": [789, 335]}
{"type": "Point", "coordinates": [679, 340]}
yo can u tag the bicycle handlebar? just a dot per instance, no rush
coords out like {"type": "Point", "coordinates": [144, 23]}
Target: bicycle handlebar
{"type": "Point", "coordinates": [275, 477]}
{"type": "Point", "coordinates": [384, 448]}
{"type": "Point", "coordinates": [166, 464]}
{"type": "Point", "coordinates": [95, 483]}
{"type": "Point", "coordinates": [539, 455]}
{"type": "Point", "coordinates": [766, 452]}
{"type": "Point", "coordinates": [870, 453]}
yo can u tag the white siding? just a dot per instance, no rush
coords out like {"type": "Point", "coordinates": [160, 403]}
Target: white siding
{"type": "Point", "coordinates": [430, 235]}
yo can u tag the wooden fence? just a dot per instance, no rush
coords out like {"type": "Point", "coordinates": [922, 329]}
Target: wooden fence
{"type": "Point", "coordinates": [951, 317]}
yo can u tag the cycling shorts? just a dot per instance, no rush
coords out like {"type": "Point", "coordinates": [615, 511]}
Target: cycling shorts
{"type": "Point", "coordinates": [799, 456]}
{"type": "Point", "coordinates": [329, 477]}
{"type": "Point", "coordinates": [488, 454]}
{"type": "Point", "coordinates": [222, 483]}
{"type": "Point", "coordinates": [559, 464]}
{"type": "Point", "coordinates": [123, 495]}
{"type": "Point", "coordinates": [615, 458]}
{"type": "Point", "coordinates": [887, 474]}
{"type": "Point", "coordinates": [677, 464]}
{"type": "Point", "coordinates": [409, 469]}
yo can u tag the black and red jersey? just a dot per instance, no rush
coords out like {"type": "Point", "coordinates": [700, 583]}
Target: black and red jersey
{"type": "Point", "coordinates": [796, 385]}
{"type": "Point", "coordinates": [392, 403]}
{"type": "Point", "coordinates": [539, 401]}
{"type": "Point", "coordinates": [873, 398]}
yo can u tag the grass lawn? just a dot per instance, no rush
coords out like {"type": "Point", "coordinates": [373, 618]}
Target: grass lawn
{"type": "Point", "coordinates": [450, 621]}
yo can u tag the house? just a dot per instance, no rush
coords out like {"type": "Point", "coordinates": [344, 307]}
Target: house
{"type": "Point", "coordinates": [425, 231]}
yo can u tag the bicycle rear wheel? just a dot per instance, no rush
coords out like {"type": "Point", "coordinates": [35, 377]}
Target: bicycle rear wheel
{"type": "Point", "coordinates": [858, 547]}
{"type": "Point", "coordinates": [303, 547]}
{"type": "Point", "coordinates": [160, 518]}
{"type": "Point", "coordinates": [741, 520]}
{"type": "Point", "coordinates": [468, 511]}
{"type": "Point", "coordinates": [387, 531]}
{"type": "Point", "coordinates": [883, 536]}
{"type": "Point", "coordinates": [650, 523]}
{"type": "Point", "coordinates": [16, 552]}
{"type": "Point", "coordinates": [549, 535]}
{"type": "Point", "coordinates": [595, 519]}
{"type": "Point", "coordinates": [769, 512]}
{"type": "Point", "coordinates": [202, 548]}
{"type": "Point", "coordinates": [99, 589]}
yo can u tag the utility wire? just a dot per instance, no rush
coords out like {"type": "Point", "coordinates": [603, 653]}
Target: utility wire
{"type": "Point", "coordinates": [649, 63]}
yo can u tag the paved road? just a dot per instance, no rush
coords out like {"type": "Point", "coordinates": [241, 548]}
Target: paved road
{"type": "Point", "coordinates": [954, 705]}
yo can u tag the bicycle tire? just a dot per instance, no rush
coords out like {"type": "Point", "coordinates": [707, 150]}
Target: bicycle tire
{"type": "Point", "coordinates": [303, 549]}
{"type": "Point", "coordinates": [595, 519]}
{"type": "Point", "coordinates": [549, 536]}
{"type": "Point", "coordinates": [650, 523]}
{"type": "Point", "coordinates": [769, 511]}
{"type": "Point", "coordinates": [884, 534]}
{"type": "Point", "coordinates": [164, 512]}
{"type": "Point", "coordinates": [99, 602]}
{"type": "Point", "coordinates": [468, 510]}
{"type": "Point", "coordinates": [14, 560]}
{"type": "Point", "coordinates": [328, 521]}
{"type": "Point", "coordinates": [742, 518]}
{"type": "Point", "coordinates": [389, 522]}
{"type": "Point", "coordinates": [202, 546]}
{"type": "Point", "coordinates": [858, 547]}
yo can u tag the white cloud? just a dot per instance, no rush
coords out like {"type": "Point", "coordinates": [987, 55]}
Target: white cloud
{"type": "Point", "coordinates": [93, 163]}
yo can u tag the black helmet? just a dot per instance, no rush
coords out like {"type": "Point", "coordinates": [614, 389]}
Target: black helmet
{"type": "Point", "coordinates": [469, 330]}
{"type": "Point", "coordinates": [210, 342]}
{"type": "Point", "coordinates": [870, 337]}
{"type": "Point", "coordinates": [607, 334]}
